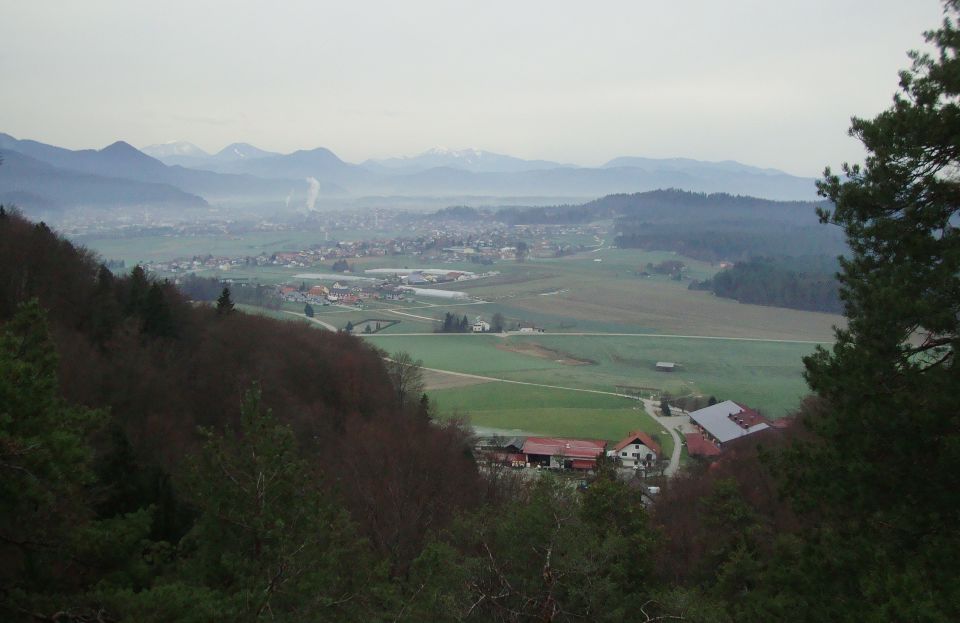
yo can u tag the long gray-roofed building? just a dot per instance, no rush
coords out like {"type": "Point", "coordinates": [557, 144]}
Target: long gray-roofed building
{"type": "Point", "coordinates": [727, 421]}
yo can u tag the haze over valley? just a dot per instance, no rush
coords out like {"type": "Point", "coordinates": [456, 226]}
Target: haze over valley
{"type": "Point", "coordinates": [667, 332]}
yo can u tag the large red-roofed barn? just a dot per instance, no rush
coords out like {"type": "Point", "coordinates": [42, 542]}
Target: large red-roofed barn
{"type": "Point", "coordinates": [560, 453]}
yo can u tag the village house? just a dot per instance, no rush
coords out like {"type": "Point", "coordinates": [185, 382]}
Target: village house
{"type": "Point", "coordinates": [529, 327]}
{"type": "Point", "coordinates": [637, 449]}
{"type": "Point", "coordinates": [721, 424]}
{"type": "Point", "coordinates": [556, 453]}
{"type": "Point", "coordinates": [480, 326]}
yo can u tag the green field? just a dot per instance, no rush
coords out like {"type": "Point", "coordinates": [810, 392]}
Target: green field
{"type": "Point", "coordinates": [764, 375]}
{"type": "Point", "coordinates": [566, 296]}
{"type": "Point", "coordinates": [549, 412]}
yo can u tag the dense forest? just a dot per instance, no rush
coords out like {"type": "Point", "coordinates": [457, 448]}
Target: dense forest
{"type": "Point", "coordinates": [796, 282]}
{"type": "Point", "coordinates": [655, 206]}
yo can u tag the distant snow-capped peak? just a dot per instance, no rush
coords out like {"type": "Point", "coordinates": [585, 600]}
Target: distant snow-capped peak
{"type": "Point", "coordinates": [453, 153]}
{"type": "Point", "coordinates": [173, 148]}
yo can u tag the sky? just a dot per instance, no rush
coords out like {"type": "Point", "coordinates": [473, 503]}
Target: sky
{"type": "Point", "coordinates": [766, 82]}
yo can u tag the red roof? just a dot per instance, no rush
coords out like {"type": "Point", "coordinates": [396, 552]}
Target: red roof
{"type": "Point", "coordinates": [633, 437]}
{"type": "Point", "coordinates": [697, 445]}
{"type": "Point", "coordinates": [749, 417]}
{"type": "Point", "coordinates": [569, 448]}
{"type": "Point", "coordinates": [507, 457]}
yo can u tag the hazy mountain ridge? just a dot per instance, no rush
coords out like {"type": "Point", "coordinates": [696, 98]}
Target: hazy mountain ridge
{"type": "Point", "coordinates": [174, 149]}
{"type": "Point", "coordinates": [245, 173]}
{"type": "Point", "coordinates": [474, 160]}
{"type": "Point", "coordinates": [43, 187]}
{"type": "Point", "coordinates": [122, 161]}
{"type": "Point", "coordinates": [186, 154]}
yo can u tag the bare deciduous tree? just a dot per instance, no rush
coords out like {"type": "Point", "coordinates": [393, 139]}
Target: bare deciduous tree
{"type": "Point", "coordinates": [406, 374]}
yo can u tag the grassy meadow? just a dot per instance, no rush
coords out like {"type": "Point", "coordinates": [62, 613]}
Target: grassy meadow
{"type": "Point", "coordinates": [549, 411]}
{"type": "Point", "coordinates": [765, 375]}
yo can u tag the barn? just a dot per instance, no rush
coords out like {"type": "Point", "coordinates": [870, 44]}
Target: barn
{"type": "Point", "coordinates": [726, 421]}
{"type": "Point", "coordinates": [557, 453]}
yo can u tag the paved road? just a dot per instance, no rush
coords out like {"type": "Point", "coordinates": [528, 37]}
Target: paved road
{"type": "Point", "coordinates": [671, 423]}
{"type": "Point", "coordinates": [400, 313]}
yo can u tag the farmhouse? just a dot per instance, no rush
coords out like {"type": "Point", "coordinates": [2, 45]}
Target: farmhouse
{"type": "Point", "coordinates": [529, 327]}
{"type": "Point", "coordinates": [479, 326]}
{"type": "Point", "coordinates": [636, 449]}
{"type": "Point", "coordinates": [724, 422]}
{"type": "Point", "coordinates": [557, 453]}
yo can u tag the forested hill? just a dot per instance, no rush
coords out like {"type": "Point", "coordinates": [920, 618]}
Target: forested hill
{"type": "Point", "coordinates": [807, 283]}
{"type": "Point", "coordinates": [104, 381]}
{"type": "Point", "coordinates": [668, 206]}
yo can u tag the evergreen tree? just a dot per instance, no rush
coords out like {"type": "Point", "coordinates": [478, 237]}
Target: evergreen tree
{"type": "Point", "coordinates": [349, 327]}
{"type": "Point", "coordinates": [254, 553]}
{"type": "Point", "coordinates": [157, 315]}
{"type": "Point", "coordinates": [665, 407]}
{"type": "Point", "coordinates": [448, 323]}
{"type": "Point", "coordinates": [497, 323]}
{"type": "Point", "coordinates": [224, 304]}
{"type": "Point", "coordinates": [883, 475]}
{"type": "Point", "coordinates": [105, 309]}
{"type": "Point", "coordinates": [308, 310]}
{"type": "Point", "coordinates": [53, 551]}
{"type": "Point", "coordinates": [555, 555]}
{"type": "Point", "coordinates": [137, 287]}
{"type": "Point", "coordinates": [424, 408]}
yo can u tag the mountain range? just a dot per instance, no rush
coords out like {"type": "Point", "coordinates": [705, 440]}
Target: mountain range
{"type": "Point", "coordinates": [181, 174]}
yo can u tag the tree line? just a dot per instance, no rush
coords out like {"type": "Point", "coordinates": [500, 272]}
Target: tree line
{"type": "Point", "coordinates": [210, 288]}
{"type": "Point", "coordinates": [807, 283]}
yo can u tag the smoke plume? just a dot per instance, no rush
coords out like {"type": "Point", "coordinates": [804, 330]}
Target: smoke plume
{"type": "Point", "coordinates": [312, 193]}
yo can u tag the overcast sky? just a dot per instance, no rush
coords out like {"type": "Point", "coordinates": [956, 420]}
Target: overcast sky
{"type": "Point", "coordinates": [764, 82]}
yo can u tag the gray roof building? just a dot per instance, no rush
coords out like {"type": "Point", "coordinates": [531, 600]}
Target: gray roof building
{"type": "Point", "coordinates": [728, 420]}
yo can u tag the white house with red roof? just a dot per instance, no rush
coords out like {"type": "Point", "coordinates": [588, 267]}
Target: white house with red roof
{"type": "Point", "coordinates": [636, 449]}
